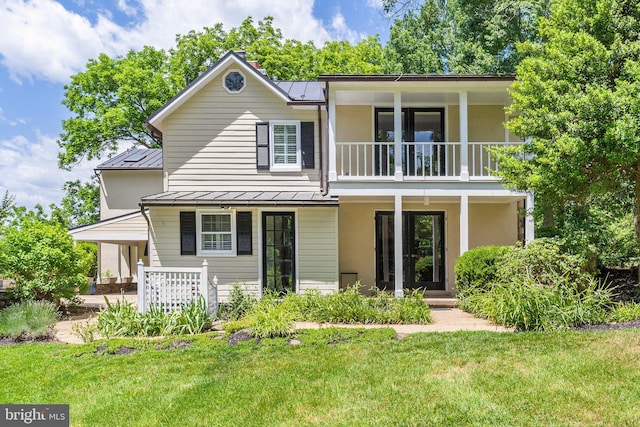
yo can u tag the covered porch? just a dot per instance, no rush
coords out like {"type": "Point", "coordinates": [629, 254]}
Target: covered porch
{"type": "Point", "coordinates": [122, 241]}
{"type": "Point", "coordinates": [412, 239]}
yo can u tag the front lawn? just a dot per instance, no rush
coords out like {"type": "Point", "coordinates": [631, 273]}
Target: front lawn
{"type": "Point", "coordinates": [337, 377]}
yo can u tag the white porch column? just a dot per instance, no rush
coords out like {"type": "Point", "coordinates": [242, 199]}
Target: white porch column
{"type": "Point", "coordinates": [397, 246]}
{"type": "Point", "coordinates": [397, 135]}
{"type": "Point", "coordinates": [141, 287]}
{"type": "Point", "coordinates": [529, 224]}
{"type": "Point", "coordinates": [464, 137]}
{"type": "Point", "coordinates": [331, 136]}
{"type": "Point", "coordinates": [464, 223]}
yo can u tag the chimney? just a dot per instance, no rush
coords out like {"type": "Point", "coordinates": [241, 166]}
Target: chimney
{"type": "Point", "coordinates": [241, 53]}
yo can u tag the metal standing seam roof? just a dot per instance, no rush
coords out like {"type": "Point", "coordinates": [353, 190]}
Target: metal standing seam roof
{"type": "Point", "coordinates": [135, 158]}
{"type": "Point", "coordinates": [236, 198]}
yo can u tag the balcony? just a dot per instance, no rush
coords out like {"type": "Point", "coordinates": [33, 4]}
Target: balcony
{"type": "Point", "coordinates": [421, 161]}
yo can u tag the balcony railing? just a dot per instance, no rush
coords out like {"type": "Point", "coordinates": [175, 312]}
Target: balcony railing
{"type": "Point", "coordinates": [420, 160]}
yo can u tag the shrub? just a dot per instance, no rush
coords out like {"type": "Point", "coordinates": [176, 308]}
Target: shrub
{"type": "Point", "coordinates": [42, 260]}
{"type": "Point", "coordinates": [477, 268]}
{"type": "Point", "coordinates": [270, 321]}
{"type": "Point", "coordinates": [28, 319]}
{"type": "Point", "coordinates": [240, 302]}
{"type": "Point", "coordinates": [541, 287]}
{"type": "Point", "coordinates": [625, 312]}
{"type": "Point", "coordinates": [545, 260]}
{"type": "Point", "coordinates": [123, 319]}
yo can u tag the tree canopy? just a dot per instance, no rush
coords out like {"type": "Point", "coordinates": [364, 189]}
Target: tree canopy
{"type": "Point", "coordinates": [460, 36]}
{"type": "Point", "coordinates": [111, 99]}
{"type": "Point", "coordinates": [577, 100]}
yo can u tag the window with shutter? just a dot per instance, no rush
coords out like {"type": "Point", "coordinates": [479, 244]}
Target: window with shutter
{"type": "Point", "coordinates": [285, 146]}
{"type": "Point", "coordinates": [216, 232]}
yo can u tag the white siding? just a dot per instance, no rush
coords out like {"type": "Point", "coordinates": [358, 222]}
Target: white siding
{"type": "Point", "coordinates": [210, 141]}
{"type": "Point", "coordinates": [317, 250]}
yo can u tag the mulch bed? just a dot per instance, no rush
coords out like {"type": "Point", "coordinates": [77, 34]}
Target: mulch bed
{"type": "Point", "coordinates": [610, 326]}
{"type": "Point", "coordinates": [623, 282]}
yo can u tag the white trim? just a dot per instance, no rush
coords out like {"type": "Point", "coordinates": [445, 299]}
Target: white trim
{"type": "Point", "coordinates": [398, 266]}
{"type": "Point", "coordinates": [224, 81]}
{"type": "Point", "coordinates": [464, 135]}
{"type": "Point", "coordinates": [397, 136]}
{"type": "Point", "coordinates": [464, 223]}
{"type": "Point", "coordinates": [105, 237]}
{"type": "Point", "coordinates": [286, 167]}
{"type": "Point", "coordinates": [331, 139]}
{"type": "Point", "coordinates": [529, 222]}
{"type": "Point", "coordinates": [209, 253]}
{"type": "Point", "coordinates": [209, 75]}
{"type": "Point", "coordinates": [101, 223]}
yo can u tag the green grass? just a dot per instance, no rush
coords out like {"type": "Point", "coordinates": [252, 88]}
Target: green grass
{"type": "Point", "coordinates": [339, 378]}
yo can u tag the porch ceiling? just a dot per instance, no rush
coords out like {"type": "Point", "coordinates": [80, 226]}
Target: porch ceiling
{"type": "Point", "coordinates": [348, 97]}
{"type": "Point", "coordinates": [431, 200]}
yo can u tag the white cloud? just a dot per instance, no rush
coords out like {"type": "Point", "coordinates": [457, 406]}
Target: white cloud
{"type": "Point", "coordinates": [40, 39]}
{"type": "Point", "coordinates": [342, 31]}
{"type": "Point", "coordinates": [28, 169]}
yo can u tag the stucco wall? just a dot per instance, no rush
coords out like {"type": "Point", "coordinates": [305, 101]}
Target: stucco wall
{"type": "Point", "coordinates": [489, 224]}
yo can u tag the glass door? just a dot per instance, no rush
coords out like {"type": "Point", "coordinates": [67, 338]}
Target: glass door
{"type": "Point", "coordinates": [278, 240]}
{"type": "Point", "coordinates": [422, 250]}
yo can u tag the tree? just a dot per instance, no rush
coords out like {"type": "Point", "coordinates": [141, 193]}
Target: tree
{"type": "Point", "coordinates": [577, 100]}
{"type": "Point", "coordinates": [460, 36]}
{"type": "Point", "coordinates": [6, 206]}
{"type": "Point", "coordinates": [110, 102]}
{"type": "Point", "coordinates": [41, 258]}
{"type": "Point", "coordinates": [112, 98]}
{"type": "Point", "coordinates": [80, 204]}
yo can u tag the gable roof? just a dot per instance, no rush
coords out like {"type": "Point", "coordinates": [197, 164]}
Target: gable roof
{"type": "Point", "coordinates": [234, 58]}
{"type": "Point", "coordinates": [134, 159]}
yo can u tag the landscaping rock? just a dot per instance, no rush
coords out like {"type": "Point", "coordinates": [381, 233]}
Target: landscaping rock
{"type": "Point", "coordinates": [240, 336]}
{"type": "Point", "coordinates": [294, 342]}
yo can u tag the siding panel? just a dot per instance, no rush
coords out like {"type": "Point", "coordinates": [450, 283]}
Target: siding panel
{"type": "Point", "coordinates": [209, 141]}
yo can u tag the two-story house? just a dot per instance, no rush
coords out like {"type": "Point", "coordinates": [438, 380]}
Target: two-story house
{"type": "Point", "coordinates": [314, 185]}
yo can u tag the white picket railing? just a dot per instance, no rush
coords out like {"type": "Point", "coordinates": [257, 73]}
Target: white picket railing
{"type": "Point", "coordinates": [421, 160]}
{"type": "Point", "coordinates": [171, 288]}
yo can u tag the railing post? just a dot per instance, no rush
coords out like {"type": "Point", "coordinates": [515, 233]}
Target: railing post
{"type": "Point", "coordinates": [204, 283]}
{"type": "Point", "coordinates": [142, 281]}
{"type": "Point", "coordinates": [464, 137]}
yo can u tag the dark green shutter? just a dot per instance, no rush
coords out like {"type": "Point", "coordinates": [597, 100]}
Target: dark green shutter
{"type": "Point", "coordinates": [262, 145]}
{"type": "Point", "coordinates": [244, 233]}
{"type": "Point", "coordinates": [307, 144]}
{"type": "Point", "coordinates": [187, 233]}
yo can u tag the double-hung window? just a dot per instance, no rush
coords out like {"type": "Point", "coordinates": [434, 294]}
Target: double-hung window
{"type": "Point", "coordinates": [216, 233]}
{"type": "Point", "coordinates": [285, 146]}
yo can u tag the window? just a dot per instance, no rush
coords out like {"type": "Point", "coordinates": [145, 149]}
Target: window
{"type": "Point", "coordinates": [234, 81]}
{"type": "Point", "coordinates": [216, 233]}
{"type": "Point", "coordinates": [285, 146]}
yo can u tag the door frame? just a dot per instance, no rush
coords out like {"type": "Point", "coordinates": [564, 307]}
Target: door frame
{"type": "Point", "coordinates": [261, 251]}
{"type": "Point", "coordinates": [444, 276]}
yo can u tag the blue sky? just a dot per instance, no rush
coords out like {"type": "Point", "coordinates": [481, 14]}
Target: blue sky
{"type": "Point", "coordinates": [44, 42]}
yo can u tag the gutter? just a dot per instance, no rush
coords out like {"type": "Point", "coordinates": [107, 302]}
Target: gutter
{"type": "Point", "coordinates": [324, 178]}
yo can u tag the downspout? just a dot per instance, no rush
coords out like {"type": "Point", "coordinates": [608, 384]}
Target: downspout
{"type": "Point", "coordinates": [146, 218]}
{"type": "Point", "coordinates": [320, 151]}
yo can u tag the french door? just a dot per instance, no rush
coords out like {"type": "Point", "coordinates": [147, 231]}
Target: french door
{"type": "Point", "coordinates": [422, 128]}
{"type": "Point", "coordinates": [278, 249]}
{"type": "Point", "coordinates": [422, 250]}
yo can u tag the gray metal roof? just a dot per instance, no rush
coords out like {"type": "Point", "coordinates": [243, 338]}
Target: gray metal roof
{"type": "Point", "coordinates": [135, 158]}
{"type": "Point", "coordinates": [302, 91]}
{"type": "Point", "coordinates": [239, 198]}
